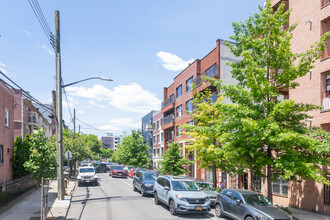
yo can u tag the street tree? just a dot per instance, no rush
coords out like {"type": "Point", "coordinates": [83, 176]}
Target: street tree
{"type": "Point", "coordinates": [173, 162]}
{"type": "Point", "coordinates": [21, 155]}
{"type": "Point", "coordinates": [259, 130]}
{"type": "Point", "coordinates": [132, 151]}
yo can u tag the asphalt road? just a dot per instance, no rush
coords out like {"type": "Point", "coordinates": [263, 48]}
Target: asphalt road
{"type": "Point", "coordinates": [114, 199]}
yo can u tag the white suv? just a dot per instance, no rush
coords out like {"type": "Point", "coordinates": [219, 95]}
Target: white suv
{"type": "Point", "coordinates": [181, 194]}
{"type": "Point", "coordinates": [87, 175]}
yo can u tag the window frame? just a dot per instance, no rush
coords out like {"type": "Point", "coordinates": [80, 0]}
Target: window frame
{"type": "Point", "coordinates": [178, 133]}
{"type": "Point", "coordinates": [7, 117]}
{"type": "Point", "coordinates": [176, 111]}
{"type": "Point", "coordinates": [190, 101]}
{"type": "Point", "coordinates": [281, 182]}
{"type": "Point", "coordinates": [177, 90]}
{"type": "Point", "coordinates": [327, 193]}
{"type": "Point", "coordinates": [1, 155]}
{"type": "Point", "coordinates": [189, 84]}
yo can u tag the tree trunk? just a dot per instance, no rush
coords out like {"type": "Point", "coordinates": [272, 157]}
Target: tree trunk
{"type": "Point", "coordinates": [269, 183]}
{"type": "Point", "coordinates": [215, 177]}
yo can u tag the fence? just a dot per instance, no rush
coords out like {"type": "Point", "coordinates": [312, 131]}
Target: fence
{"type": "Point", "coordinates": [12, 189]}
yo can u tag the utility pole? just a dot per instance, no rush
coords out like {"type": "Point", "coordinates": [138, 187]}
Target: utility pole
{"type": "Point", "coordinates": [60, 182]}
{"type": "Point", "coordinates": [74, 123]}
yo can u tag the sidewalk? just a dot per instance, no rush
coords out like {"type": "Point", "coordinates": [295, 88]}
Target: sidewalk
{"type": "Point", "coordinates": [307, 215]}
{"type": "Point", "coordinates": [29, 207]}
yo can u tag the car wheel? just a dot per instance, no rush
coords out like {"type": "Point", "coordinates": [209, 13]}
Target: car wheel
{"type": "Point", "coordinates": [248, 218]}
{"type": "Point", "coordinates": [143, 193]}
{"type": "Point", "coordinates": [218, 211]}
{"type": "Point", "coordinates": [156, 198]}
{"type": "Point", "coordinates": [79, 184]}
{"type": "Point", "coordinates": [172, 208]}
{"type": "Point", "coordinates": [134, 188]}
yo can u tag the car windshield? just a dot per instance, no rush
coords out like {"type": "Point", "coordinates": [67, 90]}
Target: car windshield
{"type": "Point", "coordinates": [205, 186]}
{"type": "Point", "coordinates": [86, 170]}
{"type": "Point", "coordinates": [256, 199]}
{"type": "Point", "coordinates": [149, 176]}
{"type": "Point", "coordinates": [118, 168]}
{"type": "Point", "coordinates": [129, 168]}
{"type": "Point", "coordinates": [184, 186]}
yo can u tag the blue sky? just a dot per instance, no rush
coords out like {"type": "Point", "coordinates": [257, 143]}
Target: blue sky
{"type": "Point", "coordinates": [142, 45]}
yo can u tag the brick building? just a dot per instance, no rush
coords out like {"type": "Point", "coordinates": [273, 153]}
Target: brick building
{"type": "Point", "coordinates": [108, 142]}
{"type": "Point", "coordinates": [178, 97]}
{"type": "Point", "coordinates": [6, 132]}
{"type": "Point", "coordinates": [158, 139]}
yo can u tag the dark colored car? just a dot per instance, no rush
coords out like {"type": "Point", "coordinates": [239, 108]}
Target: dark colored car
{"type": "Point", "coordinates": [138, 169]}
{"type": "Point", "coordinates": [143, 181]}
{"type": "Point", "coordinates": [208, 190]}
{"type": "Point", "coordinates": [101, 168]}
{"type": "Point", "coordinates": [117, 171]}
{"type": "Point", "coordinates": [247, 205]}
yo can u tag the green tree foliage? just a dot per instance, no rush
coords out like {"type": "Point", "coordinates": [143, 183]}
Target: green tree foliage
{"type": "Point", "coordinates": [106, 153]}
{"type": "Point", "coordinates": [173, 163]}
{"type": "Point", "coordinates": [21, 155]}
{"type": "Point", "coordinates": [132, 151]}
{"type": "Point", "coordinates": [94, 143]}
{"type": "Point", "coordinates": [258, 130]}
{"type": "Point", "coordinates": [42, 160]}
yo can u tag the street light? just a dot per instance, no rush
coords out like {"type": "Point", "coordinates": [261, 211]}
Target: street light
{"type": "Point", "coordinates": [59, 137]}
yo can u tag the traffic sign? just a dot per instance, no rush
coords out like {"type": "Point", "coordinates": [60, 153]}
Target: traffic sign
{"type": "Point", "coordinates": [68, 155]}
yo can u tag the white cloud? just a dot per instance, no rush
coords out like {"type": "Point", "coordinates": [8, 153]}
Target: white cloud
{"type": "Point", "coordinates": [47, 49]}
{"type": "Point", "coordinates": [28, 33]}
{"type": "Point", "coordinates": [172, 61]}
{"type": "Point", "coordinates": [125, 122]}
{"type": "Point", "coordinates": [92, 103]}
{"type": "Point", "coordinates": [109, 128]}
{"type": "Point", "coordinates": [71, 102]}
{"type": "Point", "coordinates": [79, 111]}
{"type": "Point", "coordinates": [129, 98]}
{"type": "Point", "coordinates": [2, 64]}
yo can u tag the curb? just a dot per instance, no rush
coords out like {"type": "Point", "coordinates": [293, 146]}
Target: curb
{"type": "Point", "coordinates": [71, 194]}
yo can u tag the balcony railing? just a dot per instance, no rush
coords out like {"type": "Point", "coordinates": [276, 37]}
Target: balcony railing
{"type": "Point", "coordinates": [168, 101]}
{"type": "Point", "coordinates": [168, 119]}
{"type": "Point", "coordinates": [326, 100]}
{"type": "Point", "coordinates": [148, 128]}
{"type": "Point", "coordinates": [325, 2]}
{"type": "Point", "coordinates": [326, 52]}
{"type": "Point", "coordinates": [198, 81]}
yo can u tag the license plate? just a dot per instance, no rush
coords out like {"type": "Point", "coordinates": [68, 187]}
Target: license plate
{"type": "Point", "coordinates": [198, 208]}
{"type": "Point", "coordinates": [87, 181]}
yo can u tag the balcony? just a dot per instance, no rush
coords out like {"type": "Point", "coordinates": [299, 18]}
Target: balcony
{"type": "Point", "coordinates": [148, 128]}
{"type": "Point", "coordinates": [325, 96]}
{"type": "Point", "coordinates": [325, 2]}
{"type": "Point", "coordinates": [168, 119]}
{"type": "Point", "coordinates": [199, 81]}
{"type": "Point", "coordinates": [168, 101]}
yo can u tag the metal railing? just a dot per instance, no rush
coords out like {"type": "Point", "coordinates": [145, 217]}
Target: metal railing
{"type": "Point", "coordinates": [168, 101]}
{"type": "Point", "coordinates": [168, 119]}
{"type": "Point", "coordinates": [12, 189]}
{"type": "Point", "coordinates": [198, 81]}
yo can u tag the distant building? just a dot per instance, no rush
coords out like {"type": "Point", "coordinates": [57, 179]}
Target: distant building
{"type": "Point", "coordinates": [6, 132]}
{"type": "Point", "coordinates": [108, 142]}
{"type": "Point", "coordinates": [147, 130]}
{"type": "Point", "coordinates": [158, 139]}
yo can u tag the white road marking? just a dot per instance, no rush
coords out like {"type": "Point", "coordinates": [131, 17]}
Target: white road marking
{"type": "Point", "coordinates": [127, 183]}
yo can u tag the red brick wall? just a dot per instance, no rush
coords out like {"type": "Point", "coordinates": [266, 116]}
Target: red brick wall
{"type": "Point", "coordinates": [6, 133]}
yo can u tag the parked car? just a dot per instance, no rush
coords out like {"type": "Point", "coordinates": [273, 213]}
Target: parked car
{"type": "Point", "coordinates": [143, 181]}
{"type": "Point", "coordinates": [181, 195]}
{"type": "Point", "coordinates": [208, 190]}
{"type": "Point", "coordinates": [128, 168]}
{"type": "Point", "coordinates": [101, 168]}
{"type": "Point", "coordinates": [86, 175]}
{"type": "Point", "coordinates": [117, 171]}
{"type": "Point", "coordinates": [247, 205]}
{"type": "Point", "coordinates": [138, 169]}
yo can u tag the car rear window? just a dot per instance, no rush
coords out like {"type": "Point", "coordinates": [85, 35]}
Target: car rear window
{"type": "Point", "coordinates": [86, 170]}
{"type": "Point", "coordinates": [118, 168]}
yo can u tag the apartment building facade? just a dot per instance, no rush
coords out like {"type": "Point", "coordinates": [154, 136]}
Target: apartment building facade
{"type": "Point", "coordinates": [108, 142]}
{"type": "Point", "coordinates": [147, 131]}
{"type": "Point", "coordinates": [313, 18]}
{"type": "Point", "coordinates": [6, 132]}
{"type": "Point", "coordinates": [178, 101]}
{"type": "Point", "coordinates": [158, 139]}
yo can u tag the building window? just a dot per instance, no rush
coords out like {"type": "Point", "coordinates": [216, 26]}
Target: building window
{"type": "Point", "coordinates": [224, 179]}
{"type": "Point", "coordinates": [325, 2]}
{"type": "Point", "coordinates": [154, 152]}
{"type": "Point", "coordinates": [327, 193]}
{"type": "Point", "coordinates": [154, 126]}
{"type": "Point", "coordinates": [7, 117]}
{"type": "Point", "coordinates": [256, 183]}
{"type": "Point", "coordinates": [178, 130]}
{"type": "Point", "coordinates": [326, 95]}
{"type": "Point", "coordinates": [189, 105]}
{"type": "Point", "coordinates": [1, 154]}
{"type": "Point", "coordinates": [179, 91]}
{"type": "Point", "coordinates": [179, 111]}
{"type": "Point", "coordinates": [162, 137]}
{"type": "Point", "coordinates": [154, 140]}
{"type": "Point", "coordinates": [158, 138]}
{"type": "Point", "coordinates": [189, 83]}
{"type": "Point", "coordinates": [158, 127]}
{"type": "Point", "coordinates": [280, 186]}
{"type": "Point", "coordinates": [212, 71]}
{"type": "Point", "coordinates": [325, 25]}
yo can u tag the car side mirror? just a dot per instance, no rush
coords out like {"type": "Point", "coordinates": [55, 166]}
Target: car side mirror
{"type": "Point", "coordinates": [214, 189]}
{"type": "Point", "coordinates": [201, 189]}
{"type": "Point", "coordinates": [167, 188]}
{"type": "Point", "coordinates": [238, 201]}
